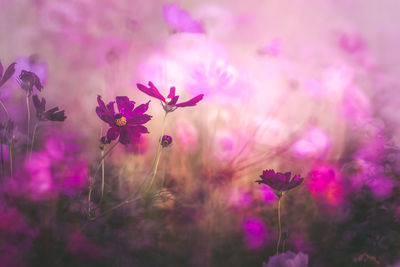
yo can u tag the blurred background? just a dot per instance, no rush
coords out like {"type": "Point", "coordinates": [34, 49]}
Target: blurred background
{"type": "Point", "coordinates": [307, 86]}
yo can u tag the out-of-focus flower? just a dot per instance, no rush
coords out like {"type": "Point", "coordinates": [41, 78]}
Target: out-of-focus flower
{"type": "Point", "coordinates": [351, 43]}
{"type": "Point", "coordinates": [280, 181]}
{"type": "Point", "coordinates": [166, 141]}
{"type": "Point", "coordinates": [288, 259]}
{"type": "Point", "coordinates": [324, 183]}
{"type": "Point", "coordinates": [314, 143]}
{"type": "Point", "coordinates": [180, 20]}
{"type": "Point", "coordinates": [7, 74]}
{"type": "Point", "coordinates": [32, 64]}
{"type": "Point", "coordinates": [28, 80]}
{"type": "Point", "coordinates": [49, 115]}
{"type": "Point", "coordinates": [272, 48]}
{"type": "Point", "coordinates": [188, 137]}
{"type": "Point", "coordinates": [256, 232]}
{"type": "Point", "coordinates": [127, 124]}
{"type": "Point", "coordinates": [169, 104]}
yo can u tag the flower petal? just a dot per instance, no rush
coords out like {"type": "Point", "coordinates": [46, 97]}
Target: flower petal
{"type": "Point", "coordinates": [173, 100]}
{"type": "Point", "coordinates": [151, 91]}
{"type": "Point", "coordinates": [125, 136]}
{"type": "Point", "coordinates": [191, 102]}
{"type": "Point", "coordinates": [113, 133]}
{"type": "Point", "coordinates": [171, 92]}
{"type": "Point", "coordinates": [141, 108]}
{"type": "Point", "coordinates": [139, 119]}
{"type": "Point", "coordinates": [124, 105]}
{"type": "Point", "coordinates": [8, 73]}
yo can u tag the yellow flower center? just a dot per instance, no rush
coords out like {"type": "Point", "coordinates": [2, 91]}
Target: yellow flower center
{"type": "Point", "coordinates": [121, 121]}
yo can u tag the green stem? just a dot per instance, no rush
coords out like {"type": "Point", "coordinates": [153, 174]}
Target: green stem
{"type": "Point", "coordinates": [159, 150]}
{"type": "Point", "coordinates": [29, 119]}
{"type": "Point", "coordinates": [102, 175]}
{"type": "Point", "coordinates": [279, 225]}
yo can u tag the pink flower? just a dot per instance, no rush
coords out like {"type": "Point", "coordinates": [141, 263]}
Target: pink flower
{"type": "Point", "coordinates": [180, 20]}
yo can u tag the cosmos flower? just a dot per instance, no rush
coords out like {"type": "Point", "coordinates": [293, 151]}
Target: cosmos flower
{"type": "Point", "coordinates": [7, 74]}
{"type": "Point", "coordinates": [49, 115]}
{"type": "Point", "coordinates": [166, 141]}
{"type": "Point", "coordinates": [127, 123]}
{"type": "Point", "coordinates": [169, 104]}
{"type": "Point", "coordinates": [279, 181]}
{"type": "Point", "coordinates": [180, 20]}
{"type": "Point", "coordinates": [28, 80]}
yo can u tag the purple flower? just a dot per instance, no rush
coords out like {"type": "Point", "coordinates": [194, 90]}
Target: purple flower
{"type": "Point", "coordinates": [169, 104]}
{"type": "Point", "coordinates": [279, 181]}
{"type": "Point", "coordinates": [7, 74]}
{"type": "Point", "coordinates": [166, 141]}
{"type": "Point", "coordinates": [180, 20]}
{"type": "Point", "coordinates": [127, 123]}
{"type": "Point", "coordinates": [28, 80]}
{"type": "Point", "coordinates": [50, 115]}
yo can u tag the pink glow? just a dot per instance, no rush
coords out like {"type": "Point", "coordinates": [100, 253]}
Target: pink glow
{"type": "Point", "coordinates": [180, 19]}
{"type": "Point", "coordinates": [255, 232]}
{"type": "Point", "coordinates": [325, 184]}
{"type": "Point", "coordinates": [187, 136]}
{"type": "Point", "coordinates": [314, 143]}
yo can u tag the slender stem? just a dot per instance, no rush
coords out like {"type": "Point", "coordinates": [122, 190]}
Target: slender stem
{"type": "Point", "coordinates": [29, 119]}
{"type": "Point", "coordinates": [279, 225]}
{"type": "Point", "coordinates": [33, 136]}
{"type": "Point", "coordinates": [10, 154]}
{"type": "Point", "coordinates": [5, 128]}
{"type": "Point", "coordinates": [90, 196]}
{"type": "Point", "coordinates": [159, 150]}
{"type": "Point", "coordinates": [102, 175]}
{"type": "Point", "coordinates": [97, 170]}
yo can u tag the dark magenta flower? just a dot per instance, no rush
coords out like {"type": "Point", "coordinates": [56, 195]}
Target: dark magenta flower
{"type": "Point", "coordinates": [28, 80]}
{"type": "Point", "coordinates": [127, 123]}
{"type": "Point", "coordinates": [7, 74]}
{"type": "Point", "coordinates": [166, 141]}
{"type": "Point", "coordinates": [280, 181]}
{"type": "Point", "coordinates": [170, 103]}
{"type": "Point", "coordinates": [51, 115]}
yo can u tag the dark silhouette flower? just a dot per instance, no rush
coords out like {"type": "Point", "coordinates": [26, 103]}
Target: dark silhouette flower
{"type": "Point", "coordinates": [280, 181]}
{"type": "Point", "coordinates": [51, 115]}
{"type": "Point", "coordinates": [7, 74]}
{"type": "Point", "coordinates": [166, 141]}
{"type": "Point", "coordinates": [28, 80]}
{"type": "Point", "coordinates": [127, 123]}
{"type": "Point", "coordinates": [170, 103]}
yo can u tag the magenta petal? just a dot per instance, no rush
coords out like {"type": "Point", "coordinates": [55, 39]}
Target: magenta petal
{"type": "Point", "coordinates": [151, 91]}
{"type": "Point", "coordinates": [139, 119]}
{"type": "Point", "coordinates": [8, 73]}
{"type": "Point", "coordinates": [113, 133]}
{"type": "Point", "coordinates": [173, 100]}
{"type": "Point", "coordinates": [125, 106]}
{"type": "Point", "coordinates": [171, 92]}
{"type": "Point", "coordinates": [191, 102]}
{"type": "Point", "coordinates": [140, 129]}
{"type": "Point", "coordinates": [141, 108]}
{"type": "Point", "coordinates": [125, 136]}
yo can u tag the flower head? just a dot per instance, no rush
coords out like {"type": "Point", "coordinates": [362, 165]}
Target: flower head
{"type": "Point", "coordinates": [279, 181]}
{"type": "Point", "coordinates": [7, 74]}
{"type": "Point", "coordinates": [166, 141]}
{"type": "Point", "coordinates": [50, 115]}
{"type": "Point", "coordinates": [28, 80]}
{"type": "Point", "coordinates": [127, 123]}
{"type": "Point", "coordinates": [170, 103]}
